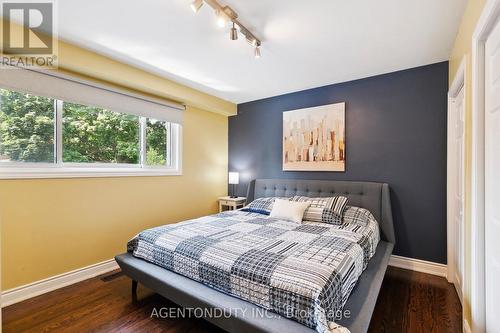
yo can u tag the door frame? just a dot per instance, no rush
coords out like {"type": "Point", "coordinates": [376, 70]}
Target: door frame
{"type": "Point", "coordinates": [487, 21]}
{"type": "Point", "coordinates": [458, 85]}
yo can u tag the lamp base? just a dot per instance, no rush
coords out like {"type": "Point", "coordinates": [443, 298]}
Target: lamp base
{"type": "Point", "coordinates": [231, 195]}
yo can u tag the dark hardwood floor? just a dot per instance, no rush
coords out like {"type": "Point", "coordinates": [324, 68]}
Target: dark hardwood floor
{"type": "Point", "coordinates": [408, 302]}
{"type": "Point", "coordinates": [416, 302]}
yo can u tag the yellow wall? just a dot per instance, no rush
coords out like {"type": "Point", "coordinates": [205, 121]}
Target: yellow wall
{"type": "Point", "coordinates": [53, 226]}
{"type": "Point", "coordinates": [77, 60]}
{"type": "Point", "coordinates": [461, 49]}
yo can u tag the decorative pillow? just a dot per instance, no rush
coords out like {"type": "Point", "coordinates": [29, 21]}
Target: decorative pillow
{"type": "Point", "coordinates": [261, 205]}
{"type": "Point", "coordinates": [358, 215]}
{"type": "Point", "coordinates": [289, 210]}
{"type": "Point", "coordinates": [327, 210]}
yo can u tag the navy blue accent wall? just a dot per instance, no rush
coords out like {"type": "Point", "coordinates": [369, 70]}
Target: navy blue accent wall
{"type": "Point", "coordinates": [395, 133]}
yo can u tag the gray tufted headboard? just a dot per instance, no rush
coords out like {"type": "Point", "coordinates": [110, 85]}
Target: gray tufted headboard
{"type": "Point", "coordinates": [372, 196]}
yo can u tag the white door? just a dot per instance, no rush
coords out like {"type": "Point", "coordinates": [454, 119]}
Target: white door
{"type": "Point", "coordinates": [492, 181]}
{"type": "Point", "coordinates": [456, 200]}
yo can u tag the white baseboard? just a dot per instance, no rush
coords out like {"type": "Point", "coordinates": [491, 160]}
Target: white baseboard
{"type": "Point", "coordinates": [419, 265]}
{"type": "Point", "coordinates": [37, 288]}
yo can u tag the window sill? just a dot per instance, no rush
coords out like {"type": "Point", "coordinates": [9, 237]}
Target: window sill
{"type": "Point", "coordinates": [84, 172]}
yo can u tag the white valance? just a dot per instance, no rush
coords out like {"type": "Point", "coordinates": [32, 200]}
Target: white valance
{"type": "Point", "coordinates": [49, 84]}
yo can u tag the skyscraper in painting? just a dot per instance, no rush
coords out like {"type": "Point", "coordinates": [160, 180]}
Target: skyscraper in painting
{"type": "Point", "coordinates": [314, 139]}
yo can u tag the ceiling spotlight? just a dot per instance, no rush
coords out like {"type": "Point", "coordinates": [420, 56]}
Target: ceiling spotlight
{"type": "Point", "coordinates": [234, 33]}
{"type": "Point", "coordinates": [225, 15]}
{"type": "Point", "coordinates": [221, 18]}
{"type": "Point", "coordinates": [257, 52]}
{"type": "Point", "coordinates": [196, 5]}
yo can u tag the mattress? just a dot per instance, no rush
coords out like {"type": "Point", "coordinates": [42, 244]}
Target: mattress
{"type": "Point", "coordinates": [304, 272]}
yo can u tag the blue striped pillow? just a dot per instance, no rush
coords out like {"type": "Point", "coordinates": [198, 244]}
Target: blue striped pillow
{"type": "Point", "coordinates": [326, 209]}
{"type": "Point", "coordinates": [262, 205]}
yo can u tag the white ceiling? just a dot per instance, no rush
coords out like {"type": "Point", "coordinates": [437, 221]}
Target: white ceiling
{"type": "Point", "coordinates": [306, 44]}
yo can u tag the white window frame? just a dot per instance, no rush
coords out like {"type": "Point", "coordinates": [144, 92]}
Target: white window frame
{"type": "Point", "coordinates": [60, 169]}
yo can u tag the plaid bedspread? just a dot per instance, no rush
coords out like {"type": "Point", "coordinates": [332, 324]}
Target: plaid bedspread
{"type": "Point", "coordinates": [301, 271]}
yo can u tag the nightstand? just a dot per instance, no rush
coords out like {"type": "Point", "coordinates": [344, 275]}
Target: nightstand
{"type": "Point", "coordinates": [231, 203]}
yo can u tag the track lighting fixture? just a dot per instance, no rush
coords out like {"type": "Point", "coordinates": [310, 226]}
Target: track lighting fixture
{"type": "Point", "coordinates": [196, 5]}
{"type": "Point", "coordinates": [225, 14]}
{"type": "Point", "coordinates": [252, 41]}
{"type": "Point", "coordinates": [234, 33]}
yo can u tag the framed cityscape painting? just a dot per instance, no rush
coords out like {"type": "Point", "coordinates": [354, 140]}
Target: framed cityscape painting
{"type": "Point", "coordinates": [314, 139]}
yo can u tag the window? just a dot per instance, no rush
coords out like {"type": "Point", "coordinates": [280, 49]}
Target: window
{"type": "Point", "coordinates": [43, 137]}
{"type": "Point", "coordinates": [156, 142]}
{"type": "Point", "coordinates": [95, 135]}
{"type": "Point", "coordinates": [26, 128]}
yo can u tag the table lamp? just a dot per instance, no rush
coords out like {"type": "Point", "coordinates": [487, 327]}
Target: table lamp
{"type": "Point", "coordinates": [234, 179]}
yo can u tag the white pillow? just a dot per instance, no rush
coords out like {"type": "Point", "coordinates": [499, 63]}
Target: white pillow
{"type": "Point", "coordinates": [289, 210]}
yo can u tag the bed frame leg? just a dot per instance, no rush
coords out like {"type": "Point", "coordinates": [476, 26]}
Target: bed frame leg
{"type": "Point", "coordinates": [134, 290]}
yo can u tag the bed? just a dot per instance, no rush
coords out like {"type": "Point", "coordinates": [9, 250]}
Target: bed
{"type": "Point", "coordinates": [190, 293]}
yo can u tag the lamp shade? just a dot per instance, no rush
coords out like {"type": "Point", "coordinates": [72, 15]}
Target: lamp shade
{"type": "Point", "coordinates": [234, 178]}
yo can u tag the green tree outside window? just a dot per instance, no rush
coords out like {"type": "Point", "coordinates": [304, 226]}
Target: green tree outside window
{"type": "Point", "coordinates": [26, 127]}
{"type": "Point", "coordinates": [93, 134]}
{"type": "Point", "coordinates": [89, 134]}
